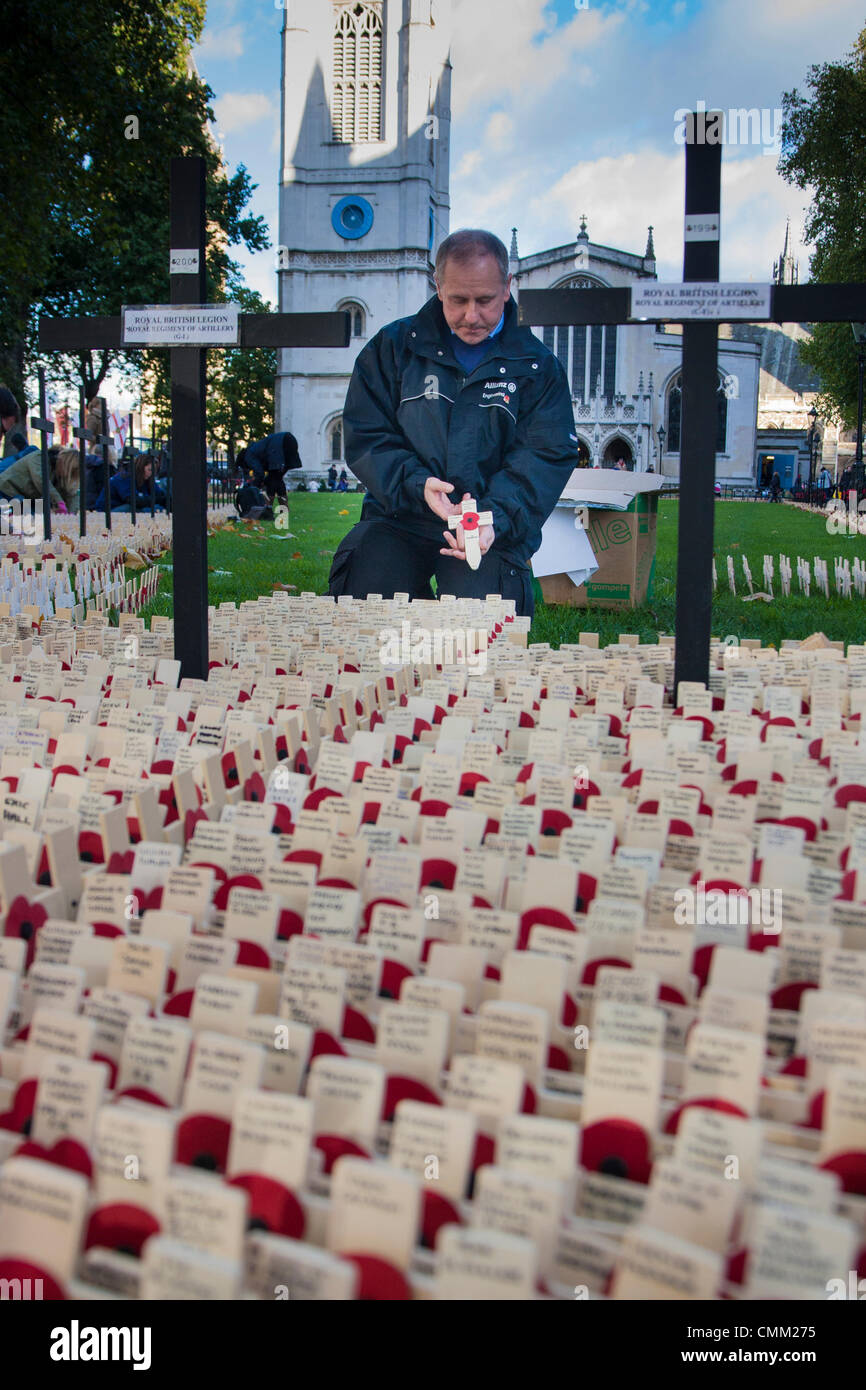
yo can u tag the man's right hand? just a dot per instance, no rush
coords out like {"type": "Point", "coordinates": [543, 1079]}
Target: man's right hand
{"type": "Point", "coordinates": [434, 495]}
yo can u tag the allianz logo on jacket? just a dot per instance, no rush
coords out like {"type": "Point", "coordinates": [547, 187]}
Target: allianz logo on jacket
{"type": "Point", "coordinates": [498, 390]}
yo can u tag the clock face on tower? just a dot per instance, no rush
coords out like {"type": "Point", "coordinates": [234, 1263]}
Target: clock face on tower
{"type": "Point", "coordinates": [352, 217]}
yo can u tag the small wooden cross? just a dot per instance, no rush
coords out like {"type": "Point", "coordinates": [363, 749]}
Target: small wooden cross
{"type": "Point", "coordinates": [45, 427]}
{"type": "Point", "coordinates": [469, 521]}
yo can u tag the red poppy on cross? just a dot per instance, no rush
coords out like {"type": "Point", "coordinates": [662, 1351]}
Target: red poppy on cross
{"type": "Point", "coordinates": [469, 521]}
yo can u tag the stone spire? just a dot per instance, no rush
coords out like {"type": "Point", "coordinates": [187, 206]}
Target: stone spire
{"type": "Point", "coordinates": [650, 252]}
{"type": "Point", "coordinates": [514, 263]}
{"type": "Point", "coordinates": [786, 271]}
{"type": "Point", "coordinates": [582, 234]}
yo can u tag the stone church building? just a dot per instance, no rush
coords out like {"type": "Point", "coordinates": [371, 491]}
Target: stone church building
{"type": "Point", "coordinates": [364, 205]}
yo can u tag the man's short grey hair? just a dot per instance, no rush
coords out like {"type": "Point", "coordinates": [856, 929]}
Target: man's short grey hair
{"type": "Point", "coordinates": [469, 243]}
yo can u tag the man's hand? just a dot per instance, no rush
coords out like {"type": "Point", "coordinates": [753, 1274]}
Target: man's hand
{"type": "Point", "coordinates": [434, 495]}
{"type": "Point", "coordinates": [456, 547]}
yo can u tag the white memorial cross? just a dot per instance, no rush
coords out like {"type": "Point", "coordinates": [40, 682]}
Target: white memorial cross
{"type": "Point", "coordinates": [469, 521]}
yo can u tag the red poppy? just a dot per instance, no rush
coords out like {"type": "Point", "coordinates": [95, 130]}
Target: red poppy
{"type": "Point", "coordinates": [148, 902]}
{"type": "Point", "coordinates": [229, 764]}
{"type": "Point", "coordinates": [221, 897]}
{"type": "Point", "coordinates": [20, 1117]}
{"type": "Point", "coordinates": [66, 1153]}
{"type": "Point", "coordinates": [90, 847]}
{"type": "Point", "coordinates": [254, 788]}
{"type": "Point", "coordinates": [121, 863]}
{"type": "Point", "coordinates": [272, 1206]}
{"type": "Point", "coordinates": [24, 920]}
{"type": "Point", "coordinates": [190, 821]}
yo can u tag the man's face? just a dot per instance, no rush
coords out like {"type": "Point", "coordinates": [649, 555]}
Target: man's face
{"type": "Point", "coordinates": [473, 296]}
{"type": "Point", "coordinates": [7, 421]}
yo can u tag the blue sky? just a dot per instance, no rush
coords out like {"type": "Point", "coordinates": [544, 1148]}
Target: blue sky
{"type": "Point", "coordinates": [563, 107]}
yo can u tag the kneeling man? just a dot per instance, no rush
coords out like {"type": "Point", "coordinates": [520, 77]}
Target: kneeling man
{"type": "Point", "coordinates": [459, 401]}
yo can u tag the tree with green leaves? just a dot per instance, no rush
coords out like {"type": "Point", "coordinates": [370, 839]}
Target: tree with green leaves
{"type": "Point", "coordinates": [240, 383]}
{"type": "Point", "coordinates": [89, 127]}
{"type": "Point", "coordinates": [824, 151]}
{"type": "Point", "coordinates": [240, 395]}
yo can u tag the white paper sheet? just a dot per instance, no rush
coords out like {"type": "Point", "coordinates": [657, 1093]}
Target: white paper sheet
{"type": "Point", "coordinates": [564, 549]}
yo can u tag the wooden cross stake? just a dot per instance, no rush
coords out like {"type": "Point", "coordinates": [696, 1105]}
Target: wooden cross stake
{"type": "Point", "coordinates": [45, 427]}
{"type": "Point", "coordinates": [468, 523]}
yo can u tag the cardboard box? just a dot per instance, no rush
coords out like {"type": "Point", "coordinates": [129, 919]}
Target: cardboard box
{"type": "Point", "coordinates": [616, 513]}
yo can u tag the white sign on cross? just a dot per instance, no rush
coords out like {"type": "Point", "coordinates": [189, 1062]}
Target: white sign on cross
{"type": "Point", "coordinates": [469, 521]}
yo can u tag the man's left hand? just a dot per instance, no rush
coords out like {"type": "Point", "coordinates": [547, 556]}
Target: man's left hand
{"type": "Point", "coordinates": [456, 545]}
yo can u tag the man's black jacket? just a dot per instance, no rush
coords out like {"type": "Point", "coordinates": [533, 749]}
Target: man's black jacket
{"type": "Point", "coordinates": [273, 454]}
{"type": "Point", "coordinates": [504, 432]}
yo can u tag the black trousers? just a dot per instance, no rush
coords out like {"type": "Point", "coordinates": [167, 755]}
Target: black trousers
{"type": "Point", "coordinates": [274, 485]}
{"type": "Point", "coordinates": [382, 557]}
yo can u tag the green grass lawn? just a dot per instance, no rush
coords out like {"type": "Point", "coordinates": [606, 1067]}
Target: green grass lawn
{"type": "Point", "coordinates": [247, 561]}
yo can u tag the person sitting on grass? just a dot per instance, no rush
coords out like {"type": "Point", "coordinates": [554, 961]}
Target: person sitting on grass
{"type": "Point", "coordinates": [23, 479]}
{"type": "Point", "coordinates": [121, 489]}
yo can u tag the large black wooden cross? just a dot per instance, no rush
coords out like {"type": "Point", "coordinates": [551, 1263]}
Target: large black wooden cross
{"type": "Point", "coordinates": [788, 304]}
{"type": "Point", "coordinates": [188, 398]}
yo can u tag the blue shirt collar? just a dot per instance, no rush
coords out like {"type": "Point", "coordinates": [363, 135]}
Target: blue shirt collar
{"type": "Point", "coordinates": [492, 334]}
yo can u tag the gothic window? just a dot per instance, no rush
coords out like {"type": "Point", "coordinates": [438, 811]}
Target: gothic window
{"type": "Point", "coordinates": [335, 439]}
{"type": "Point", "coordinates": [563, 336]}
{"type": "Point", "coordinates": [594, 356]}
{"type": "Point", "coordinates": [675, 417]}
{"type": "Point", "coordinates": [356, 314]}
{"type": "Point", "coordinates": [356, 104]}
{"type": "Point", "coordinates": [578, 367]}
{"type": "Point", "coordinates": [675, 413]}
{"type": "Point", "coordinates": [586, 353]}
{"type": "Point", "coordinates": [608, 389]}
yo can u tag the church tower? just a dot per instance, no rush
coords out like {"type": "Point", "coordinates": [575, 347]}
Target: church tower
{"type": "Point", "coordinates": [786, 270]}
{"type": "Point", "coordinates": [364, 198]}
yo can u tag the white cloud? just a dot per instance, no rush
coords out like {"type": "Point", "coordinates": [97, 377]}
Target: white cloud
{"type": "Point", "coordinates": [489, 35]}
{"type": "Point", "coordinates": [585, 113]}
{"type": "Point", "coordinates": [237, 110]}
{"type": "Point", "coordinates": [622, 195]}
{"type": "Point", "coordinates": [499, 130]}
{"type": "Point", "coordinates": [755, 204]}
{"type": "Point", "coordinates": [227, 42]}
{"type": "Point", "coordinates": [469, 163]}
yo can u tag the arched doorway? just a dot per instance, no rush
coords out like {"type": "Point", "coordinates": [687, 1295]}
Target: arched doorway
{"type": "Point", "coordinates": [584, 458]}
{"type": "Point", "coordinates": [617, 450]}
